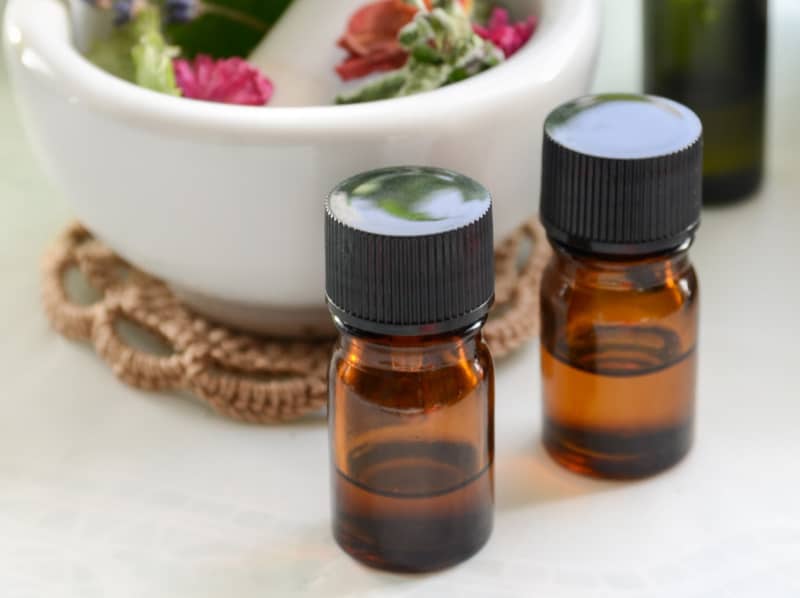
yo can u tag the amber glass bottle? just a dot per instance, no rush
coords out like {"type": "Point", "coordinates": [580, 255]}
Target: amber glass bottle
{"type": "Point", "coordinates": [712, 56]}
{"type": "Point", "coordinates": [621, 201]}
{"type": "Point", "coordinates": [410, 279]}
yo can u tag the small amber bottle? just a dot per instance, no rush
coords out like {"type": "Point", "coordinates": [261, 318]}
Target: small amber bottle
{"type": "Point", "coordinates": [410, 279]}
{"type": "Point", "coordinates": [621, 199]}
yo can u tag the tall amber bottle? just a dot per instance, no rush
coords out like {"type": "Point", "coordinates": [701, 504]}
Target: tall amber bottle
{"type": "Point", "coordinates": [410, 279]}
{"type": "Point", "coordinates": [621, 201]}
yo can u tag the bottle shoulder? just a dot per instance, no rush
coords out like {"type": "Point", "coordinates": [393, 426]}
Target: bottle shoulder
{"type": "Point", "coordinates": [668, 281]}
{"type": "Point", "coordinates": [403, 376]}
{"type": "Point", "coordinates": [412, 360]}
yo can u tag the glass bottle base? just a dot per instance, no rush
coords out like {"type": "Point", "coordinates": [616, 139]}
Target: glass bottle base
{"type": "Point", "coordinates": [400, 560]}
{"type": "Point", "coordinates": [419, 533]}
{"type": "Point", "coordinates": [617, 454]}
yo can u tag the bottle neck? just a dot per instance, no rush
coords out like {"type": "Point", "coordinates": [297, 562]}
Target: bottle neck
{"type": "Point", "coordinates": [410, 353]}
{"type": "Point", "coordinates": [615, 272]}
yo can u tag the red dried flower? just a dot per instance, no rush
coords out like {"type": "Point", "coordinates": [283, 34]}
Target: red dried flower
{"type": "Point", "coordinates": [504, 34]}
{"type": "Point", "coordinates": [371, 39]}
{"type": "Point", "coordinates": [229, 80]}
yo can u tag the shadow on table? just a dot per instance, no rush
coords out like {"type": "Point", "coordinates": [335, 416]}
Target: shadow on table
{"type": "Point", "coordinates": [311, 564]}
{"type": "Point", "coordinates": [532, 477]}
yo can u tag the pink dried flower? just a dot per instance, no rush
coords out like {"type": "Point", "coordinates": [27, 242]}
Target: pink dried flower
{"type": "Point", "coordinates": [504, 34]}
{"type": "Point", "coordinates": [228, 80]}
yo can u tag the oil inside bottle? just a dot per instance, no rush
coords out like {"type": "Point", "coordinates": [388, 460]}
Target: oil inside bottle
{"type": "Point", "coordinates": [618, 400]}
{"type": "Point", "coordinates": [407, 504]}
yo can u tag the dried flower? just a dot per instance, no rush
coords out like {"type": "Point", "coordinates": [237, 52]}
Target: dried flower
{"type": "Point", "coordinates": [371, 39]}
{"type": "Point", "coordinates": [101, 4]}
{"type": "Point", "coordinates": [181, 11]}
{"type": "Point", "coordinates": [126, 10]}
{"type": "Point", "coordinates": [468, 6]}
{"type": "Point", "coordinates": [230, 81]}
{"type": "Point", "coordinates": [442, 49]}
{"type": "Point", "coordinates": [372, 32]}
{"type": "Point", "coordinates": [175, 11]}
{"type": "Point", "coordinates": [507, 36]}
{"type": "Point", "coordinates": [123, 11]}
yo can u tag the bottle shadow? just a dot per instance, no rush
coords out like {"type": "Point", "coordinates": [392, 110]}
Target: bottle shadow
{"type": "Point", "coordinates": [530, 477]}
{"type": "Point", "coordinates": [309, 563]}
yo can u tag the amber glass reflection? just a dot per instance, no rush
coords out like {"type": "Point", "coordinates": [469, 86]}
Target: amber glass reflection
{"type": "Point", "coordinates": [619, 362]}
{"type": "Point", "coordinates": [412, 448]}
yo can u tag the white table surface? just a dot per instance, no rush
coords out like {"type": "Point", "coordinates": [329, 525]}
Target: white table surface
{"type": "Point", "coordinates": [106, 491]}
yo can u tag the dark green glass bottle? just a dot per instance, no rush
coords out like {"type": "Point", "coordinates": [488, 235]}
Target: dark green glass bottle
{"type": "Point", "coordinates": [712, 56]}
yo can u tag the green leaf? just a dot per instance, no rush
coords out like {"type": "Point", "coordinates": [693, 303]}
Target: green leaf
{"type": "Point", "coordinates": [114, 55]}
{"type": "Point", "coordinates": [227, 28]}
{"type": "Point", "coordinates": [424, 53]}
{"type": "Point", "coordinates": [481, 11]}
{"type": "Point", "coordinates": [384, 88]}
{"type": "Point", "coordinates": [138, 52]}
{"type": "Point", "coordinates": [152, 60]}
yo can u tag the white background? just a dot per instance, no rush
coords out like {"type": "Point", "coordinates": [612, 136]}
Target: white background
{"type": "Point", "coordinates": [105, 491]}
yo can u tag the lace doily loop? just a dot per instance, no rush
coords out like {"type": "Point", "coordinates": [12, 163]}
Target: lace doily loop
{"type": "Point", "coordinates": [241, 376]}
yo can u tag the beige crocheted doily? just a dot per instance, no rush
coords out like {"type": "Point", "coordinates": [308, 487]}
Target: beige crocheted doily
{"type": "Point", "coordinates": [241, 376]}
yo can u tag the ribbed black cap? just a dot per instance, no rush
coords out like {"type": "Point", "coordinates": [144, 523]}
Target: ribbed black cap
{"type": "Point", "coordinates": [409, 251]}
{"type": "Point", "coordinates": [622, 174]}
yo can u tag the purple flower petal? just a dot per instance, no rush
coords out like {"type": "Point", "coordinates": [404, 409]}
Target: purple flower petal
{"type": "Point", "coordinates": [181, 11]}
